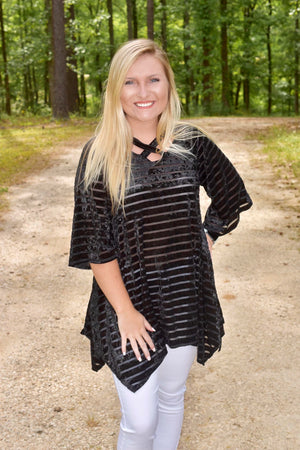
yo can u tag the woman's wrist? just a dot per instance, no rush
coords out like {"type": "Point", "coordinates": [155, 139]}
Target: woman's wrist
{"type": "Point", "coordinates": [125, 308]}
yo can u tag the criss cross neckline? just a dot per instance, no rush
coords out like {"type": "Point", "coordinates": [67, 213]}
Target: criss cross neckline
{"type": "Point", "coordinates": [147, 148]}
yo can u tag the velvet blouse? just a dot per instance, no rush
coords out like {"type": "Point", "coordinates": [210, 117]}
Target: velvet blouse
{"type": "Point", "coordinates": [162, 251]}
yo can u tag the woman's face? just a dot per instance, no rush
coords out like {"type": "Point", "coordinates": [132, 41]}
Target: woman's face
{"type": "Point", "coordinates": [145, 93]}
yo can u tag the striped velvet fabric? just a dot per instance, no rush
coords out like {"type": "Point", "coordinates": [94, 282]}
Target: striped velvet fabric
{"type": "Point", "coordinates": [162, 251]}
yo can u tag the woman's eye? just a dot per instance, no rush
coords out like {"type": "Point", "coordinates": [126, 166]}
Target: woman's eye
{"type": "Point", "coordinates": [128, 82]}
{"type": "Point", "coordinates": [154, 80]}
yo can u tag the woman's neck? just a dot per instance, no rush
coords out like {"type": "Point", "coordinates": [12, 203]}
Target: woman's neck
{"type": "Point", "coordinates": [144, 132]}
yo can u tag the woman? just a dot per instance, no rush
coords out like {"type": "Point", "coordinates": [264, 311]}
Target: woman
{"type": "Point", "coordinates": [137, 225]}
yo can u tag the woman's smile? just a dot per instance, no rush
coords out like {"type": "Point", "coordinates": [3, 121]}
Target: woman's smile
{"type": "Point", "coordinates": [144, 105]}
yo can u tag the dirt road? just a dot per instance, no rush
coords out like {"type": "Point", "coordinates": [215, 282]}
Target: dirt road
{"type": "Point", "coordinates": [246, 397]}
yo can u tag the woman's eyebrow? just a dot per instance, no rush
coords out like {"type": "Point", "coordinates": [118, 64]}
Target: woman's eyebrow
{"type": "Point", "coordinates": [149, 76]}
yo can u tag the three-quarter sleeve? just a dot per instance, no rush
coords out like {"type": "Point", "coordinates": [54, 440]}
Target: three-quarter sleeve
{"type": "Point", "coordinates": [224, 186]}
{"type": "Point", "coordinates": [92, 239]}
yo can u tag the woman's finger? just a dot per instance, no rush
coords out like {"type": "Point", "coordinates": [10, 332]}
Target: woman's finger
{"type": "Point", "coordinates": [149, 341]}
{"type": "Point", "coordinates": [147, 337]}
{"type": "Point", "coordinates": [123, 344]}
{"type": "Point", "coordinates": [135, 349]}
{"type": "Point", "coordinates": [144, 347]}
{"type": "Point", "coordinates": [148, 326]}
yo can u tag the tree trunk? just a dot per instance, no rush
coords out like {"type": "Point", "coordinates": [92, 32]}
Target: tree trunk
{"type": "Point", "coordinates": [269, 60]}
{"type": "Point", "coordinates": [111, 28]}
{"type": "Point", "coordinates": [132, 27]}
{"type": "Point", "coordinates": [163, 4]}
{"type": "Point", "coordinates": [246, 91]}
{"type": "Point", "coordinates": [150, 19]}
{"type": "Point", "coordinates": [58, 85]}
{"type": "Point", "coordinates": [135, 20]}
{"type": "Point", "coordinates": [297, 60]}
{"type": "Point", "coordinates": [226, 96]}
{"type": "Point", "coordinates": [237, 94]}
{"type": "Point", "coordinates": [83, 95]}
{"type": "Point", "coordinates": [4, 56]}
{"type": "Point", "coordinates": [72, 79]}
{"type": "Point", "coordinates": [129, 19]}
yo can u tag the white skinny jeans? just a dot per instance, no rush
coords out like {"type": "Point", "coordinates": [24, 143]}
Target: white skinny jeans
{"type": "Point", "coordinates": [152, 417]}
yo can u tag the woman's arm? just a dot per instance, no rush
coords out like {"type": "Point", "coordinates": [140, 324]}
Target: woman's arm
{"type": "Point", "coordinates": [132, 324]}
{"type": "Point", "coordinates": [224, 186]}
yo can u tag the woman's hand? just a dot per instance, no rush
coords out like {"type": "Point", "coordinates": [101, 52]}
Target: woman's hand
{"type": "Point", "coordinates": [134, 327]}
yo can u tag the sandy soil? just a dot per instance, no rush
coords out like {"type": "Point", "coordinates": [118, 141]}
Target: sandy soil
{"type": "Point", "coordinates": [246, 397]}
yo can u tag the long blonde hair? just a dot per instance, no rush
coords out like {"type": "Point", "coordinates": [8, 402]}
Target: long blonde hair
{"type": "Point", "coordinates": [110, 152]}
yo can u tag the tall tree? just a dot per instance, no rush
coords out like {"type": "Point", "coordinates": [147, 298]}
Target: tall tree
{"type": "Point", "coordinates": [226, 94]}
{"type": "Point", "coordinates": [150, 19]}
{"type": "Point", "coordinates": [59, 92]}
{"type": "Point", "coordinates": [129, 4]}
{"type": "Point", "coordinates": [111, 28]}
{"type": "Point", "coordinates": [132, 21]}
{"type": "Point", "coordinates": [4, 56]}
{"type": "Point", "coordinates": [135, 20]}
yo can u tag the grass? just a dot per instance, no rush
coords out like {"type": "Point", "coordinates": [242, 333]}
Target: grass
{"type": "Point", "coordinates": [282, 145]}
{"type": "Point", "coordinates": [28, 145]}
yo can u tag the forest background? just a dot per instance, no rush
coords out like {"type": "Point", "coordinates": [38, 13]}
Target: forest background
{"type": "Point", "coordinates": [229, 57]}
{"type": "Point", "coordinates": [234, 58]}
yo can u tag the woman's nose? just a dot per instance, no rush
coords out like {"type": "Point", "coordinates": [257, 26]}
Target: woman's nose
{"type": "Point", "coordinates": [143, 90]}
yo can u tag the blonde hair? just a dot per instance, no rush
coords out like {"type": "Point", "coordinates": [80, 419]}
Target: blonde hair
{"type": "Point", "coordinates": [110, 152]}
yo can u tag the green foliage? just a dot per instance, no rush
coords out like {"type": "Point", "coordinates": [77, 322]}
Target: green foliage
{"type": "Point", "coordinates": [193, 45]}
{"type": "Point", "coordinates": [28, 48]}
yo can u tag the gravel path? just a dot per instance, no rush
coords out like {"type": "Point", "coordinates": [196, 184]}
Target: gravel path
{"type": "Point", "coordinates": [246, 397]}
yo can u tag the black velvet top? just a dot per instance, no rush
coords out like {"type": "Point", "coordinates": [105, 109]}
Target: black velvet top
{"type": "Point", "coordinates": [162, 251]}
